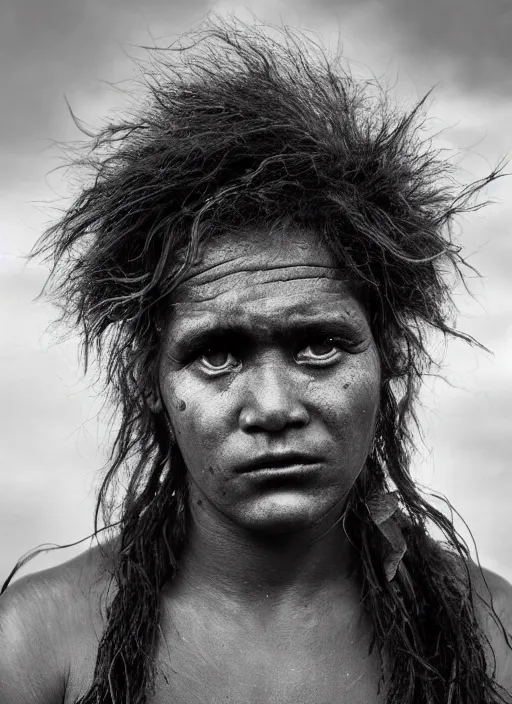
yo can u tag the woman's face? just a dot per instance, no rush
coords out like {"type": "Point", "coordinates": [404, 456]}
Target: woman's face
{"type": "Point", "coordinates": [268, 352]}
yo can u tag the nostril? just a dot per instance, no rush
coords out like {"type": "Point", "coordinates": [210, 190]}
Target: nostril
{"type": "Point", "coordinates": [275, 420]}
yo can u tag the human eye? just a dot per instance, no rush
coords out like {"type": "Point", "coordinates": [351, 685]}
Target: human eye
{"type": "Point", "coordinates": [217, 359]}
{"type": "Point", "coordinates": [322, 350]}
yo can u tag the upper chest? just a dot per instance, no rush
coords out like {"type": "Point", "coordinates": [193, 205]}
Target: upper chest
{"type": "Point", "coordinates": [206, 659]}
{"type": "Point", "coordinates": [212, 656]}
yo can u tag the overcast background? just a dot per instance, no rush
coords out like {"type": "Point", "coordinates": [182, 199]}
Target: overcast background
{"type": "Point", "coordinates": [50, 430]}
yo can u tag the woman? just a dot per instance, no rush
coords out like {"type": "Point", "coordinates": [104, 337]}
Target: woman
{"type": "Point", "coordinates": [258, 260]}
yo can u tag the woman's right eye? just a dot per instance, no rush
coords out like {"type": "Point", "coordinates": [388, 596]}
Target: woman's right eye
{"type": "Point", "coordinates": [218, 359]}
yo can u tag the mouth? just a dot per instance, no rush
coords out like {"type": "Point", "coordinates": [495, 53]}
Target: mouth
{"type": "Point", "coordinates": [289, 463]}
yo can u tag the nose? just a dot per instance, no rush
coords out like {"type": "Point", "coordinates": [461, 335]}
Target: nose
{"type": "Point", "coordinates": [272, 400]}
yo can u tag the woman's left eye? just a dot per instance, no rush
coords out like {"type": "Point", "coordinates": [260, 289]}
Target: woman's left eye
{"type": "Point", "coordinates": [321, 350]}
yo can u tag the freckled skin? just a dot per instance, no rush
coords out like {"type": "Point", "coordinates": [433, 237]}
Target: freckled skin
{"type": "Point", "coordinates": [269, 400]}
{"type": "Point", "coordinates": [268, 590]}
{"type": "Point", "coordinates": [245, 619]}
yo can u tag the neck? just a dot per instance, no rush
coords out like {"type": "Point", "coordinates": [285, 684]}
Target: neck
{"type": "Point", "coordinates": [223, 562]}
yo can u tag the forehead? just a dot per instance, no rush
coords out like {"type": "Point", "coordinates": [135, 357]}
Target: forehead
{"type": "Point", "coordinates": [258, 275]}
{"type": "Point", "coordinates": [259, 251]}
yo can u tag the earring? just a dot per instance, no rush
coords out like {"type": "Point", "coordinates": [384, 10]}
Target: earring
{"type": "Point", "coordinates": [382, 509]}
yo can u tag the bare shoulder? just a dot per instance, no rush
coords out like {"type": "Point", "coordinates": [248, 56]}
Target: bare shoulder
{"type": "Point", "coordinates": [40, 616]}
{"type": "Point", "coordinates": [494, 592]}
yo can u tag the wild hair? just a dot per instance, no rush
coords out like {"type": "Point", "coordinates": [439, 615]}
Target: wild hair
{"type": "Point", "coordinates": [253, 126]}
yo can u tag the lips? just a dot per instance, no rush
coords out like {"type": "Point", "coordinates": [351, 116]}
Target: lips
{"type": "Point", "coordinates": [277, 461]}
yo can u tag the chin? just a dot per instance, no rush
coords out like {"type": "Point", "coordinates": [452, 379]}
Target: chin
{"type": "Point", "coordinates": [282, 514]}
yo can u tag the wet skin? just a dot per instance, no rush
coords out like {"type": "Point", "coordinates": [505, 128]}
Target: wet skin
{"type": "Point", "coordinates": [289, 364]}
{"type": "Point", "coordinates": [265, 607]}
{"type": "Point", "coordinates": [268, 349]}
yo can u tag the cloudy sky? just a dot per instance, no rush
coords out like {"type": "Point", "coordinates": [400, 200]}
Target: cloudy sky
{"type": "Point", "coordinates": [51, 427]}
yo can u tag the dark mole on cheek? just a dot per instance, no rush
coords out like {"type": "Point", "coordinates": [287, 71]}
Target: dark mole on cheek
{"type": "Point", "coordinates": [199, 502]}
{"type": "Point", "coordinates": [182, 406]}
{"type": "Point", "coordinates": [211, 469]}
{"type": "Point", "coordinates": [346, 385]}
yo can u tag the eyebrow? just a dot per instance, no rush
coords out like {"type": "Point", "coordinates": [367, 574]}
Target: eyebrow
{"type": "Point", "coordinates": [209, 333]}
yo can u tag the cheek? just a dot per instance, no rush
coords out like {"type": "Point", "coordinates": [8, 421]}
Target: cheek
{"type": "Point", "coordinates": [194, 418]}
{"type": "Point", "coordinates": [355, 398]}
